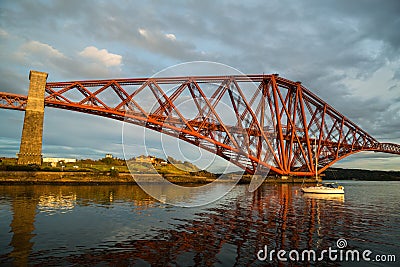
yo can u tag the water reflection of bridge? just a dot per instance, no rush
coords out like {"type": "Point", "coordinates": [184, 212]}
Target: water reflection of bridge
{"type": "Point", "coordinates": [272, 216]}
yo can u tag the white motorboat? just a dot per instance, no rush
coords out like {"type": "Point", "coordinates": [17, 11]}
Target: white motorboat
{"type": "Point", "coordinates": [322, 188]}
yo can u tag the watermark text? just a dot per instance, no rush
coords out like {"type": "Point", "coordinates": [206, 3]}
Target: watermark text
{"type": "Point", "coordinates": [332, 254]}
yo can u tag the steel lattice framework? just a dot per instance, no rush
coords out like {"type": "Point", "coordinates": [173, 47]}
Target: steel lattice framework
{"type": "Point", "coordinates": [258, 122]}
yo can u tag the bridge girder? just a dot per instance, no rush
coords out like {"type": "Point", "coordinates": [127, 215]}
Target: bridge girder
{"type": "Point", "coordinates": [258, 122]}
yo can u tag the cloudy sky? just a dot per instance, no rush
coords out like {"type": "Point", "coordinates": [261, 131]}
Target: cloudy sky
{"type": "Point", "coordinates": [347, 52]}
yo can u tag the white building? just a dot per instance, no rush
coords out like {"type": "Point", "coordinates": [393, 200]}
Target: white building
{"type": "Point", "coordinates": [54, 161]}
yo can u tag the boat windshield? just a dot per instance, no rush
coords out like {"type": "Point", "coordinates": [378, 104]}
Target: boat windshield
{"type": "Point", "coordinates": [331, 185]}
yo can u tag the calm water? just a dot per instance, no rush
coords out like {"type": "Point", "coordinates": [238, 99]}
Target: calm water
{"type": "Point", "coordinates": [121, 225]}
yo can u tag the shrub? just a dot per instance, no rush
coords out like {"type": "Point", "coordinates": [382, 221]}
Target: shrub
{"type": "Point", "coordinates": [114, 173]}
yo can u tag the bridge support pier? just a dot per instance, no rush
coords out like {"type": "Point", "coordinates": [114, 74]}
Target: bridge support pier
{"type": "Point", "coordinates": [30, 151]}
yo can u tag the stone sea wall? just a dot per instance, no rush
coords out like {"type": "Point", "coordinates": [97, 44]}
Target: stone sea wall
{"type": "Point", "coordinates": [41, 177]}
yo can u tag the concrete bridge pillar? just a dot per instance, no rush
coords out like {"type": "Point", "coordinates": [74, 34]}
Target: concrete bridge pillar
{"type": "Point", "coordinates": [30, 151]}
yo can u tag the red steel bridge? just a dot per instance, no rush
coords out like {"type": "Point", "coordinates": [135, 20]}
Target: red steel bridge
{"type": "Point", "coordinates": [258, 122]}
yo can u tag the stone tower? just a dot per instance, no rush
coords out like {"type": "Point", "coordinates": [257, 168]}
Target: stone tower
{"type": "Point", "coordinates": [30, 151]}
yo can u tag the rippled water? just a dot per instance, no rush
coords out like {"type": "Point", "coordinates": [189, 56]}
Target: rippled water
{"type": "Point", "coordinates": [121, 225]}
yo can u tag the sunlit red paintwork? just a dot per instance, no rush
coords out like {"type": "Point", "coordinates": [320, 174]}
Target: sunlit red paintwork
{"type": "Point", "coordinates": [276, 124]}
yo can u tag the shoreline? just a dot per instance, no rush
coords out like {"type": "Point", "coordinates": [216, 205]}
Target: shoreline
{"type": "Point", "coordinates": [92, 178]}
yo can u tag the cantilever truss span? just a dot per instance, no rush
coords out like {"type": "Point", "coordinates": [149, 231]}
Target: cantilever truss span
{"type": "Point", "coordinates": [258, 122]}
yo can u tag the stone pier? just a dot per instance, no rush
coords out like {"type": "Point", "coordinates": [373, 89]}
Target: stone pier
{"type": "Point", "coordinates": [30, 151]}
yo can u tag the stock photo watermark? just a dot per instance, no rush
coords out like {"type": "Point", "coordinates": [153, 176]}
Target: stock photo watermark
{"type": "Point", "coordinates": [207, 112]}
{"type": "Point", "coordinates": [337, 253]}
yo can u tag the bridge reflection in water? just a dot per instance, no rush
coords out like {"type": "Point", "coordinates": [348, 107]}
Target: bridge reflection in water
{"type": "Point", "coordinates": [231, 231]}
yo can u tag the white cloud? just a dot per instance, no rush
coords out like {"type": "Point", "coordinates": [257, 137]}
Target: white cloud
{"type": "Point", "coordinates": [157, 41]}
{"type": "Point", "coordinates": [103, 56]}
{"type": "Point", "coordinates": [38, 48]}
{"type": "Point", "coordinates": [170, 36]}
{"type": "Point", "coordinates": [143, 32]}
{"type": "Point", "coordinates": [156, 36]}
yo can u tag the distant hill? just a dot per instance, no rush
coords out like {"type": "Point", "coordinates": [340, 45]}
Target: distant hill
{"type": "Point", "coordinates": [357, 174]}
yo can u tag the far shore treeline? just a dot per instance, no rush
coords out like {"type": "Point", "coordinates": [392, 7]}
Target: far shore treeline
{"type": "Point", "coordinates": [364, 175]}
{"type": "Point", "coordinates": [171, 166]}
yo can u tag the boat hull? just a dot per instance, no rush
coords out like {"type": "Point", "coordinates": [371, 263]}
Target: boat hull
{"type": "Point", "coordinates": [322, 190]}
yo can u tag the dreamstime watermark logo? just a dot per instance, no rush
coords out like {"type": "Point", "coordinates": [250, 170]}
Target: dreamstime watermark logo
{"type": "Point", "coordinates": [340, 253]}
{"type": "Point", "coordinates": [167, 105]}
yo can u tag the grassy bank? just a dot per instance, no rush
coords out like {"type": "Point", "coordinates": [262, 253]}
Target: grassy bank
{"type": "Point", "coordinates": [112, 170]}
{"type": "Point", "coordinates": [115, 166]}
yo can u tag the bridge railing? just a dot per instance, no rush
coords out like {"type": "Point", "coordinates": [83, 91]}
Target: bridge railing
{"type": "Point", "coordinates": [389, 148]}
{"type": "Point", "coordinates": [13, 101]}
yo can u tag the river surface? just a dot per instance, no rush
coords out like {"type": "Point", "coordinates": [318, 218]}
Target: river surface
{"type": "Point", "coordinates": [48, 225]}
